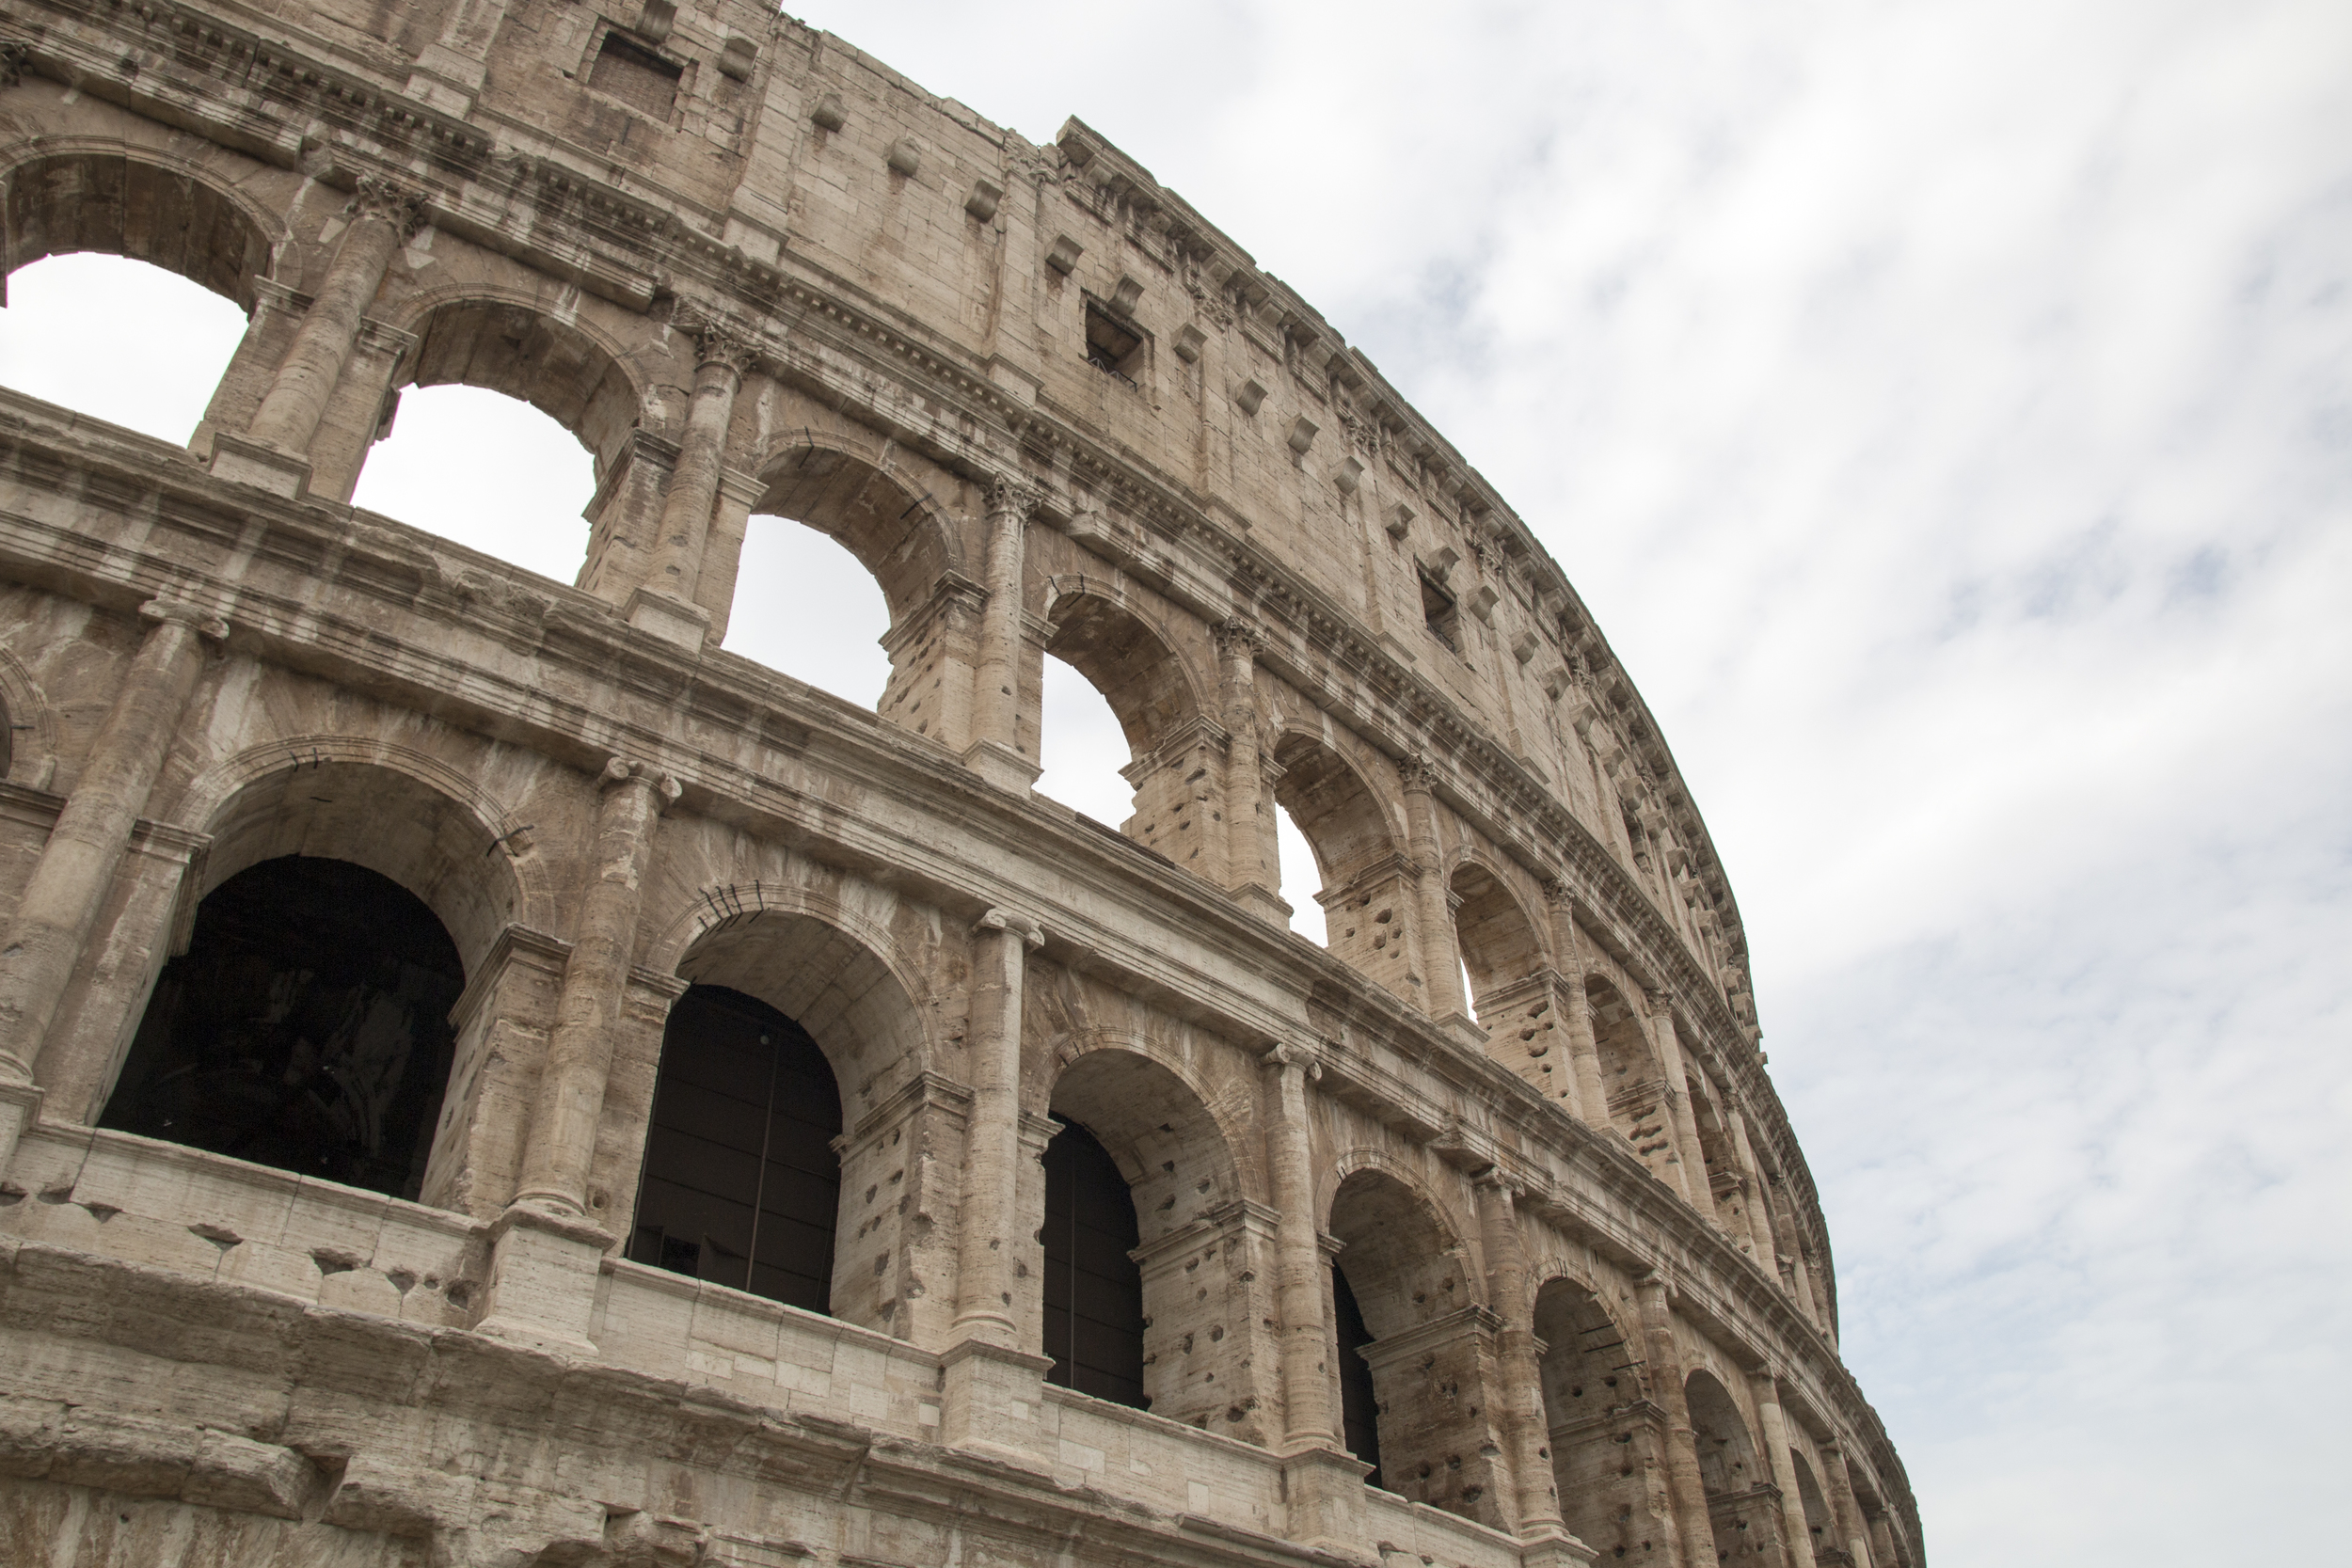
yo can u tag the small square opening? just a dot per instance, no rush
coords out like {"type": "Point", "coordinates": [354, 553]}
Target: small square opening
{"type": "Point", "coordinates": [1438, 608]}
{"type": "Point", "coordinates": [633, 73]}
{"type": "Point", "coordinates": [1111, 347]}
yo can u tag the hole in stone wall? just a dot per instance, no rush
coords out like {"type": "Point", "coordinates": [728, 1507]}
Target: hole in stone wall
{"type": "Point", "coordinates": [1113, 347]}
{"type": "Point", "coordinates": [633, 73]}
{"type": "Point", "coordinates": [1093, 1289]}
{"type": "Point", "coordinates": [741, 1186]}
{"type": "Point", "coordinates": [73, 323]}
{"type": "Point", "coordinates": [1438, 609]}
{"type": "Point", "coordinates": [306, 1028]}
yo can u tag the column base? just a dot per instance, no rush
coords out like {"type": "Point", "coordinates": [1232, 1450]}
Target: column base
{"type": "Point", "coordinates": [1001, 765]}
{"type": "Point", "coordinates": [246, 461]}
{"type": "Point", "coordinates": [1553, 1547]}
{"type": "Point", "coordinates": [673, 619]}
{"type": "Point", "coordinates": [1323, 1489]}
{"type": "Point", "coordinates": [1263, 902]}
{"type": "Point", "coordinates": [20, 1107]}
{"type": "Point", "coordinates": [543, 1281]}
{"type": "Point", "coordinates": [990, 1400]}
{"type": "Point", "coordinates": [1465, 1029]}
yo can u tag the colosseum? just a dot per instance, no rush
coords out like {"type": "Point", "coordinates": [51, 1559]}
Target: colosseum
{"type": "Point", "coordinates": [489, 1077]}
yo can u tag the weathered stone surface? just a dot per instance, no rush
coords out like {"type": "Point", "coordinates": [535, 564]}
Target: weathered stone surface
{"type": "Point", "coordinates": [1053, 410]}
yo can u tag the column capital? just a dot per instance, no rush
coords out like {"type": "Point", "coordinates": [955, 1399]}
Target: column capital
{"type": "Point", "coordinates": [1417, 771]}
{"type": "Point", "coordinates": [1032, 934]}
{"type": "Point", "coordinates": [618, 769]}
{"type": "Point", "coordinates": [1007, 494]}
{"type": "Point", "coordinates": [1237, 637]}
{"type": "Point", "coordinates": [396, 204]}
{"type": "Point", "coordinates": [179, 612]}
{"type": "Point", "coordinates": [1296, 1053]}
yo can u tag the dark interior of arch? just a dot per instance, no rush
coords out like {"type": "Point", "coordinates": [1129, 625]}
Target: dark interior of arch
{"type": "Point", "coordinates": [1335, 813]}
{"type": "Point", "coordinates": [868, 512]}
{"type": "Point", "coordinates": [556, 368]}
{"type": "Point", "coordinates": [1359, 1410]}
{"type": "Point", "coordinates": [1499, 945]}
{"type": "Point", "coordinates": [1093, 1289]}
{"type": "Point", "coordinates": [1727, 1458]}
{"type": "Point", "coordinates": [741, 1183]}
{"type": "Point", "coordinates": [122, 207]}
{"type": "Point", "coordinates": [1129, 663]}
{"type": "Point", "coordinates": [306, 1027]}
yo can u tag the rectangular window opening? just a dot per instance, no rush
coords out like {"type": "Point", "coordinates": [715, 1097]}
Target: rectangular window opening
{"type": "Point", "coordinates": [633, 73]}
{"type": "Point", "coordinates": [1110, 347]}
{"type": "Point", "coordinates": [1438, 608]}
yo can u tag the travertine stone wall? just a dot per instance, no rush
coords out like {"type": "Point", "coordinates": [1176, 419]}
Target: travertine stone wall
{"type": "Point", "coordinates": [767, 282]}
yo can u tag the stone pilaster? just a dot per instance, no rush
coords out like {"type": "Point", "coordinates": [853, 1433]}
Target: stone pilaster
{"type": "Point", "coordinates": [1689, 1163]}
{"type": "Point", "coordinates": [274, 451]}
{"type": "Point", "coordinates": [1843, 1506]}
{"type": "Point", "coordinates": [1249, 856]}
{"type": "Point", "coordinates": [995, 750]}
{"type": "Point", "coordinates": [1782, 1466]}
{"type": "Point", "coordinates": [1302, 1288]}
{"type": "Point", "coordinates": [992, 1156]}
{"type": "Point", "coordinates": [1440, 950]}
{"type": "Point", "coordinates": [664, 603]}
{"type": "Point", "coordinates": [570, 1099]}
{"type": "Point", "coordinates": [1520, 1355]}
{"type": "Point", "coordinates": [1591, 1100]}
{"type": "Point", "coordinates": [1682, 1452]}
{"type": "Point", "coordinates": [70, 882]}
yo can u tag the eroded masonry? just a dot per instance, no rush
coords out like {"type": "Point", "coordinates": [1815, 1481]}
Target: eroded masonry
{"type": "Point", "coordinates": [488, 1077]}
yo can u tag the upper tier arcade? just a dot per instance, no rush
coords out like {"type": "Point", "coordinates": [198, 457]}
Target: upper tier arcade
{"type": "Point", "coordinates": [1490, 1199]}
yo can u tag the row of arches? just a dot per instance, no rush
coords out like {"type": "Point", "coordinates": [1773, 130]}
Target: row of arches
{"type": "Point", "coordinates": [1332, 792]}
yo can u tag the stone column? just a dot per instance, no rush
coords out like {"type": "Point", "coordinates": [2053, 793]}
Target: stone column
{"type": "Point", "coordinates": [1519, 1357]}
{"type": "Point", "coordinates": [1751, 1176]}
{"type": "Point", "coordinates": [1592, 1092]}
{"type": "Point", "coordinates": [664, 603]}
{"type": "Point", "coordinates": [991, 1152]}
{"type": "Point", "coordinates": [995, 748]}
{"type": "Point", "coordinates": [1250, 868]}
{"type": "Point", "coordinates": [1682, 1444]}
{"type": "Point", "coordinates": [1301, 1285]}
{"type": "Point", "coordinates": [1440, 948]}
{"type": "Point", "coordinates": [1689, 1162]}
{"type": "Point", "coordinates": [1843, 1506]}
{"type": "Point", "coordinates": [382, 216]}
{"type": "Point", "coordinates": [77, 865]}
{"type": "Point", "coordinates": [570, 1099]}
{"type": "Point", "coordinates": [1782, 1466]}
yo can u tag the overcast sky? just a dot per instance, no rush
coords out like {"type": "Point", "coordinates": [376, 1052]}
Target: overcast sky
{"type": "Point", "coordinates": [1947, 410]}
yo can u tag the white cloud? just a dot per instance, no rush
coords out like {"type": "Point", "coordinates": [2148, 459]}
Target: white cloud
{"type": "Point", "coordinates": [1947, 408]}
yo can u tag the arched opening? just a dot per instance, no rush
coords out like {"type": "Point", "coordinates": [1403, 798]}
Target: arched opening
{"type": "Point", "coordinates": [843, 1039]}
{"type": "Point", "coordinates": [1301, 880]}
{"type": "Point", "coordinates": [803, 605]}
{"type": "Point", "coordinates": [1435, 1439]}
{"type": "Point", "coordinates": [1093, 1289]}
{"type": "Point", "coordinates": [844, 597]}
{"type": "Point", "coordinates": [306, 1027]}
{"type": "Point", "coordinates": [1152, 1267]}
{"type": "Point", "coordinates": [112, 262]}
{"type": "Point", "coordinates": [485, 470]}
{"type": "Point", "coordinates": [1364, 894]}
{"type": "Point", "coordinates": [464, 448]}
{"type": "Point", "coordinates": [1722, 1178]}
{"type": "Point", "coordinates": [1503, 972]}
{"type": "Point", "coordinates": [1817, 1524]}
{"type": "Point", "coordinates": [1606, 1442]}
{"type": "Point", "coordinates": [741, 1186]}
{"type": "Point", "coordinates": [1742, 1505]}
{"type": "Point", "coordinates": [1359, 1406]}
{"type": "Point", "coordinates": [1081, 747]}
{"type": "Point", "coordinates": [1172, 770]}
{"type": "Point", "coordinates": [1629, 1076]}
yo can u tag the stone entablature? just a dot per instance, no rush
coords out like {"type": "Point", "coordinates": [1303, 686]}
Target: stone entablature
{"type": "Point", "coordinates": [210, 663]}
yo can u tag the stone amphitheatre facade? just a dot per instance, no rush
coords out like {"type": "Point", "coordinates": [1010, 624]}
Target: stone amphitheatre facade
{"type": "Point", "coordinates": [489, 1077]}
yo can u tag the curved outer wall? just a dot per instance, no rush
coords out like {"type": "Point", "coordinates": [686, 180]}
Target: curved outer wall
{"type": "Point", "coordinates": [760, 275]}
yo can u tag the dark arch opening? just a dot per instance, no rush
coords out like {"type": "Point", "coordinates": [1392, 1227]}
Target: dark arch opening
{"type": "Point", "coordinates": [306, 1027]}
{"type": "Point", "coordinates": [1093, 1289]}
{"type": "Point", "coordinates": [1359, 1407]}
{"type": "Point", "coordinates": [741, 1180]}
